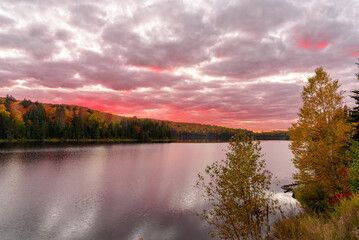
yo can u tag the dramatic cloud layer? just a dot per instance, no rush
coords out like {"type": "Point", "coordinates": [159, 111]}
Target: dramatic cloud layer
{"type": "Point", "coordinates": [232, 63]}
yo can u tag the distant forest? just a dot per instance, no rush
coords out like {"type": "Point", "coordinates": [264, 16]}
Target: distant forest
{"type": "Point", "coordinates": [25, 120]}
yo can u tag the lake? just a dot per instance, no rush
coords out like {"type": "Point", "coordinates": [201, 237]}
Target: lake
{"type": "Point", "coordinates": [113, 191]}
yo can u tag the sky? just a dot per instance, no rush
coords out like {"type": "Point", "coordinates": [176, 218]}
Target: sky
{"type": "Point", "coordinates": [240, 64]}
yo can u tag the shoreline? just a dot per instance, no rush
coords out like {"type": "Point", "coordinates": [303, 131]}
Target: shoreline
{"type": "Point", "coordinates": [85, 141]}
{"type": "Point", "coordinates": [55, 140]}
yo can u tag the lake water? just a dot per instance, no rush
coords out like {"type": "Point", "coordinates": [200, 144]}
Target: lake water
{"type": "Point", "coordinates": [113, 191]}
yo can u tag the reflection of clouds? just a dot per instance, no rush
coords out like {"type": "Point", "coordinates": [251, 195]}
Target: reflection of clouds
{"type": "Point", "coordinates": [151, 229]}
{"type": "Point", "coordinates": [42, 149]}
{"type": "Point", "coordinates": [51, 218]}
{"type": "Point", "coordinates": [278, 158]}
{"type": "Point", "coordinates": [189, 200]}
{"type": "Point", "coordinates": [51, 193]}
{"type": "Point", "coordinates": [110, 191]}
{"type": "Point", "coordinates": [285, 198]}
{"type": "Point", "coordinates": [79, 225]}
{"type": "Point", "coordinates": [287, 202]}
{"type": "Point", "coordinates": [95, 168]}
{"type": "Point", "coordinates": [62, 221]}
{"type": "Point", "coordinates": [10, 180]}
{"type": "Point", "coordinates": [83, 213]}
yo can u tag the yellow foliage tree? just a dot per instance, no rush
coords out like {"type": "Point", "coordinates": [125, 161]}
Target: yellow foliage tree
{"type": "Point", "coordinates": [238, 190]}
{"type": "Point", "coordinates": [320, 138]}
{"type": "Point", "coordinates": [4, 112]}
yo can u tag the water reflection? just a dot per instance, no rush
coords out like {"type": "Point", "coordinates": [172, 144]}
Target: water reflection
{"type": "Point", "coordinates": [111, 191]}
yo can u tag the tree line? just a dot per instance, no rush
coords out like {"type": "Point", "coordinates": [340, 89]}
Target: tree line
{"type": "Point", "coordinates": [72, 123]}
{"type": "Point", "coordinates": [33, 120]}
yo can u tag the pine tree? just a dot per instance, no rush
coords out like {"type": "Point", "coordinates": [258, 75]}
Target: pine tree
{"type": "Point", "coordinates": [354, 113]}
{"type": "Point", "coordinates": [60, 116]}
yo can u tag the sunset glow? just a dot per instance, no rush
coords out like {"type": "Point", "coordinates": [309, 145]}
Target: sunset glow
{"type": "Point", "coordinates": [322, 45]}
{"type": "Point", "coordinates": [239, 64]}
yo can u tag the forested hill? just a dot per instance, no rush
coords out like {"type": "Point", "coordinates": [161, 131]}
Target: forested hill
{"type": "Point", "coordinates": [33, 120]}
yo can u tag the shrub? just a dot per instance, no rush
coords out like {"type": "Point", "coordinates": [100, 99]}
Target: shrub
{"type": "Point", "coordinates": [312, 197]}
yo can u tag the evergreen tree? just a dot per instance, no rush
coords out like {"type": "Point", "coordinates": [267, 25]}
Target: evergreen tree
{"type": "Point", "coordinates": [78, 125]}
{"type": "Point", "coordinates": [26, 103]}
{"type": "Point", "coordinates": [5, 121]}
{"type": "Point", "coordinates": [39, 123]}
{"type": "Point", "coordinates": [8, 100]}
{"type": "Point", "coordinates": [354, 113]}
{"type": "Point", "coordinates": [60, 116]}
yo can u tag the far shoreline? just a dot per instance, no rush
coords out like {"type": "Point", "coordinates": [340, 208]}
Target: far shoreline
{"type": "Point", "coordinates": [54, 140]}
{"type": "Point", "coordinates": [120, 141]}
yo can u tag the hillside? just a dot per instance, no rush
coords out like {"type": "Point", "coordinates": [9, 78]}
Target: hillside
{"type": "Point", "coordinates": [32, 120]}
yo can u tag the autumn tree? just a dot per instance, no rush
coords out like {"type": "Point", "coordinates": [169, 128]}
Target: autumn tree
{"type": "Point", "coordinates": [5, 122]}
{"type": "Point", "coordinates": [320, 139]}
{"type": "Point", "coordinates": [237, 189]}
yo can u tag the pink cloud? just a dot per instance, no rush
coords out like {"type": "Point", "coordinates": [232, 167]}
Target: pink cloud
{"type": "Point", "coordinates": [309, 43]}
{"type": "Point", "coordinates": [158, 69]}
{"type": "Point", "coordinates": [322, 45]}
{"type": "Point", "coordinates": [223, 107]}
{"type": "Point", "coordinates": [302, 43]}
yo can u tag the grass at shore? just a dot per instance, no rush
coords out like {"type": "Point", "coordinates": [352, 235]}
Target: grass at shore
{"type": "Point", "coordinates": [340, 224]}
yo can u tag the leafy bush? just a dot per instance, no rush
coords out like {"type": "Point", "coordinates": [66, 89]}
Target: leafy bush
{"type": "Point", "coordinates": [312, 197]}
